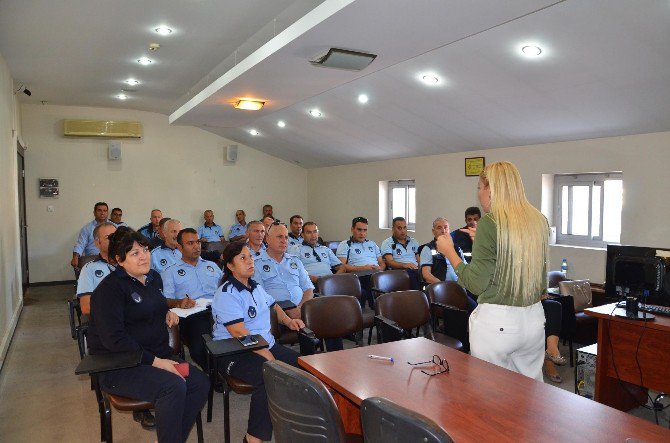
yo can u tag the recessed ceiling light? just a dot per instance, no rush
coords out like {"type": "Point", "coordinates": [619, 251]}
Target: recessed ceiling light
{"type": "Point", "coordinates": [254, 132]}
{"type": "Point", "coordinates": [429, 78]}
{"type": "Point", "coordinates": [163, 30]}
{"type": "Point", "coordinates": [132, 82]}
{"type": "Point", "coordinates": [122, 96]}
{"type": "Point", "coordinates": [281, 124]}
{"type": "Point", "coordinates": [315, 112]}
{"type": "Point", "coordinates": [144, 61]}
{"type": "Point", "coordinates": [531, 50]}
{"type": "Point", "coordinates": [362, 98]}
{"type": "Point", "coordinates": [249, 105]}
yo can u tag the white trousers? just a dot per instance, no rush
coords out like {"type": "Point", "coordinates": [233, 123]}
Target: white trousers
{"type": "Point", "coordinates": [509, 336]}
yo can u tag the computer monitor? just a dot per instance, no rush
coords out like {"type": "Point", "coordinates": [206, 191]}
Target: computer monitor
{"type": "Point", "coordinates": [637, 271]}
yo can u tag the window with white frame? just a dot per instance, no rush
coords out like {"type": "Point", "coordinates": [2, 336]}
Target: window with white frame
{"type": "Point", "coordinates": [402, 202]}
{"type": "Point", "coordinates": [587, 209]}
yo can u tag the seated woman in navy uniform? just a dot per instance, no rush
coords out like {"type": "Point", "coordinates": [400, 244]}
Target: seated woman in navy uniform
{"type": "Point", "coordinates": [242, 307]}
{"type": "Point", "coordinates": [129, 313]}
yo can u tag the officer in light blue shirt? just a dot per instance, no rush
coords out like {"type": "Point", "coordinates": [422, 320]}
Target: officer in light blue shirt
{"type": "Point", "coordinates": [360, 254]}
{"type": "Point", "coordinates": [184, 282]}
{"type": "Point", "coordinates": [167, 255]}
{"type": "Point", "coordinates": [295, 235]}
{"type": "Point", "coordinates": [151, 229]}
{"type": "Point", "coordinates": [318, 260]}
{"type": "Point", "coordinates": [256, 238]}
{"type": "Point", "coordinates": [85, 244]}
{"type": "Point", "coordinates": [210, 231]}
{"type": "Point", "coordinates": [115, 217]}
{"type": "Point", "coordinates": [94, 271]}
{"type": "Point", "coordinates": [281, 274]}
{"type": "Point", "coordinates": [401, 251]}
{"type": "Point", "coordinates": [239, 229]}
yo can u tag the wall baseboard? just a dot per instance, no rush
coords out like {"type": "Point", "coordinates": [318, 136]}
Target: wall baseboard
{"type": "Point", "coordinates": [7, 339]}
{"type": "Point", "coordinates": [52, 283]}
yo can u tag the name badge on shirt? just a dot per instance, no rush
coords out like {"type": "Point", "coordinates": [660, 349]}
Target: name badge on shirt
{"type": "Point", "coordinates": [137, 298]}
{"type": "Point", "coordinates": [181, 272]}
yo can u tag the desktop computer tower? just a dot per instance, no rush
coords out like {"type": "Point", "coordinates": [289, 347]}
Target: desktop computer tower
{"type": "Point", "coordinates": [585, 371]}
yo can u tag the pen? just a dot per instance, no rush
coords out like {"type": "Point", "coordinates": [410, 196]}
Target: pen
{"type": "Point", "coordinates": [379, 357]}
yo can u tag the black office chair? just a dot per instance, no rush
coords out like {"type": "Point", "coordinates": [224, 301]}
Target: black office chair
{"type": "Point", "coordinates": [302, 410]}
{"type": "Point", "coordinates": [390, 281]}
{"type": "Point", "coordinates": [386, 422]}
{"type": "Point", "coordinates": [334, 316]}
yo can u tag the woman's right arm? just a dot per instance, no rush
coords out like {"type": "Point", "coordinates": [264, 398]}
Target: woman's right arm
{"type": "Point", "coordinates": [478, 274]}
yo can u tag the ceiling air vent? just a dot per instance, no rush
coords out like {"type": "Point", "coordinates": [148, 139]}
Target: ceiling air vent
{"type": "Point", "coordinates": [344, 59]}
{"type": "Point", "coordinates": [101, 128]}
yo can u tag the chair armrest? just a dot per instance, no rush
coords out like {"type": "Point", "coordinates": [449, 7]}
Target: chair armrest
{"type": "Point", "coordinates": [443, 306]}
{"type": "Point", "coordinates": [72, 306]}
{"type": "Point", "coordinates": [231, 346]}
{"type": "Point", "coordinates": [286, 304]}
{"type": "Point", "coordinates": [388, 329]}
{"type": "Point", "coordinates": [317, 294]}
{"type": "Point", "coordinates": [308, 341]}
{"type": "Point", "coordinates": [93, 364]}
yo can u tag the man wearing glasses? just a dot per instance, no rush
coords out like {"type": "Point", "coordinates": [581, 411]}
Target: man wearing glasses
{"type": "Point", "coordinates": [189, 279]}
{"type": "Point", "coordinates": [358, 254]}
{"type": "Point", "coordinates": [117, 214]}
{"type": "Point", "coordinates": [318, 260]}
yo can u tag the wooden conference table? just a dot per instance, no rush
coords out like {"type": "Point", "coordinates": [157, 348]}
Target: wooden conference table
{"type": "Point", "coordinates": [622, 343]}
{"type": "Point", "coordinates": [475, 401]}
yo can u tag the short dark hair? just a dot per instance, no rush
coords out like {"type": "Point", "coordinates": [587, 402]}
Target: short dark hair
{"type": "Point", "coordinates": [309, 223]}
{"type": "Point", "coordinates": [185, 231]}
{"type": "Point", "coordinates": [117, 209]}
{"type": "Point", "coordinates": [163, 220]}
{"type": "Point", "coordinates": [267, 205]}
{"type": "Point", "coordinates": [231, 251]}
{"type": "Point", "coordinates": [122, 241]}
{"type": "Point", "coordinates": [290, 220]}
{"type": "Point", "coordinates": [100, 204]}
{"type": "Point", "coordinates": [473, 210]}
{"type": "Point", "coordinates": [397, 219]}
{"type": "Point", "coordinates": [358, 220]}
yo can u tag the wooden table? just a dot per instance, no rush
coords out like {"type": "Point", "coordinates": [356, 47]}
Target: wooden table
{"type": "Point", "coordinates": [618, 376]}
{"type": "Point", "coordinates": [475, 401]}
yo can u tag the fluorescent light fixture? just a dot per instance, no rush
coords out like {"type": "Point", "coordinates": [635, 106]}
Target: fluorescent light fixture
{"type": "Point", "coordinates": [144, 61]}
{"type": "Point", "coordinates": [363, 98]}
{"type": "Point", "coordinates": [248, 104]}
{"type": "Point", "coordinates": [254, 132]}
{"type": "Point", "coordinates": [315, 112]}
{"type": "Point", "coordinates": [122, 96]}
{"type": "Point", "coordinates": [281, 124]}
{"type": "Point", "coordinates": [429, 78]}
{"type": "Point", "coordinates": [132, 82]}
{"type": "Point", "coordinates": [531, 50]}
{"type": "Point", "coordinates": [163, 30]}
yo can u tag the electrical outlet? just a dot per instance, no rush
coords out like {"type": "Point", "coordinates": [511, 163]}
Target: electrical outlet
{"type": "Point", "coordinates": [51, 208]}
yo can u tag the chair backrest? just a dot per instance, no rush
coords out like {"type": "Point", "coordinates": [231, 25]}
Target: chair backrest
{"type": "Point", "coordinates": [391, 281]}
{"type": "Point", "coordinates": [580, 290]}
{"type": "Point", "coordinates": [340, 284]}
{"type": "Point", "coordinates": [175, 340]}
{"type": "Point", "coordinates": [386, 422]}
{"type": "Point", "coordinates": [554, 278]}
{"type": "Point", "coordinates": [333, 316]}
{"type": "Point", "coordinates": [217, 246]}
{"type": "Point", "coordinates": [410, 309]}
{"type": "Point", "coordinates": [301, 408]}
{"type": "Point", "coordinates": [448, 293]}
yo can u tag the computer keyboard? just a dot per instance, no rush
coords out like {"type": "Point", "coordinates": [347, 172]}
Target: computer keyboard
{"type": "Point", "coordinates": [652, 309]}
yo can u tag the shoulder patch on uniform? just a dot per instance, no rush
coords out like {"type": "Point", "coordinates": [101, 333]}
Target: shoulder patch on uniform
{"type": "Point", "coordinates": [163, 261]}
{"type": "Point", "coordinates": [99, 273]}
{"type": "Point", "coordinates": [210, 269]}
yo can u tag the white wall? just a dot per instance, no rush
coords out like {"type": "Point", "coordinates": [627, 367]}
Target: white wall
{"type": "Point", "coordinates": [337, 194]}
{"type": "Point", "coordinates": [179, 169]}
{"type": "Point", "coordinates": [10, 268]}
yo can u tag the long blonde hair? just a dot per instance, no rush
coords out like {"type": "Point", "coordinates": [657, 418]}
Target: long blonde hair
{"type": "Point", "coordinates": [522, 231]}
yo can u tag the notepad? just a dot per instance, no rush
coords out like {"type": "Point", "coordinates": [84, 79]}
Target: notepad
{"type": "Point", "coordinates": [201, 304]}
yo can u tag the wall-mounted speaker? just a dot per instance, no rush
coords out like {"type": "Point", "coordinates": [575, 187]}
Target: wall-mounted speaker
{"type": "Point", "coordinates": [114, 150]}
{"type": "Point", "coordinates": [231, 153]}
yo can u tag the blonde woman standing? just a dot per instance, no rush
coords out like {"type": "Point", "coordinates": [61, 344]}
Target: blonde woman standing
{"type": "Point", "coordinates": [508, 272]}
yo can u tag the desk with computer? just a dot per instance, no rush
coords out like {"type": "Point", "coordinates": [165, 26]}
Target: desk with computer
{"type": "Point", "coordinates": [633, 333]}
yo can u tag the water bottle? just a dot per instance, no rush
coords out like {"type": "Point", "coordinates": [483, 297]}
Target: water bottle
{"type": "Point", "coordinates": [564, 268]}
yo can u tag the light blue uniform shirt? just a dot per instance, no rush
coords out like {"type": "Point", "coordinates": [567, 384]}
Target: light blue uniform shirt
{"type": "Point", "coordinates": [286, 280]}
{"type": "Point", "coordinates": [318, 261]}
{"type": "Point", "coordinates": [234, 303]}
{"type": "Point", "coordinates": [92, 274]}
{"type": "Point", "coordinates": [85, 244]}
{"type": "Point", "coordinates": [255, 254]}
{"type": "Point", "coordinates": [162, 257]}
{"type": "Point", "coordinates": [359, 254]}
{"type": "Point", "coordinates": [294, 241]}
{"type": "Point", "coordinates": [426, 259]}
{"type": "Point", "coordinates": [401, 253]}
{"type": "Point", "coordinates": [236, 230]}
{"type": "Point", "coordinates": [210, 233]}
{"type": "Point", "coordinates": [118, 225]}
{"type": "Point", "coordinates": [197, 281]}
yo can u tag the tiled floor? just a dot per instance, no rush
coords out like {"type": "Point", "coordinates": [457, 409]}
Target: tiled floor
{"type": "Point", "coordinates": [41, 400]}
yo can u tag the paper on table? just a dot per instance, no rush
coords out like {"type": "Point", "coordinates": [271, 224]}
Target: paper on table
{"type": "Point", "coordinates": [200, 305]}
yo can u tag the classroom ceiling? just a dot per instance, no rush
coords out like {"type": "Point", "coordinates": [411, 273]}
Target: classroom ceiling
{"type": "Point", "coordinates": [604, 69]}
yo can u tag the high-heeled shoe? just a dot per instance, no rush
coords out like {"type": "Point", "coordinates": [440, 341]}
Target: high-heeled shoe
{"type": "Point", "coordinates": [555, 359]}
